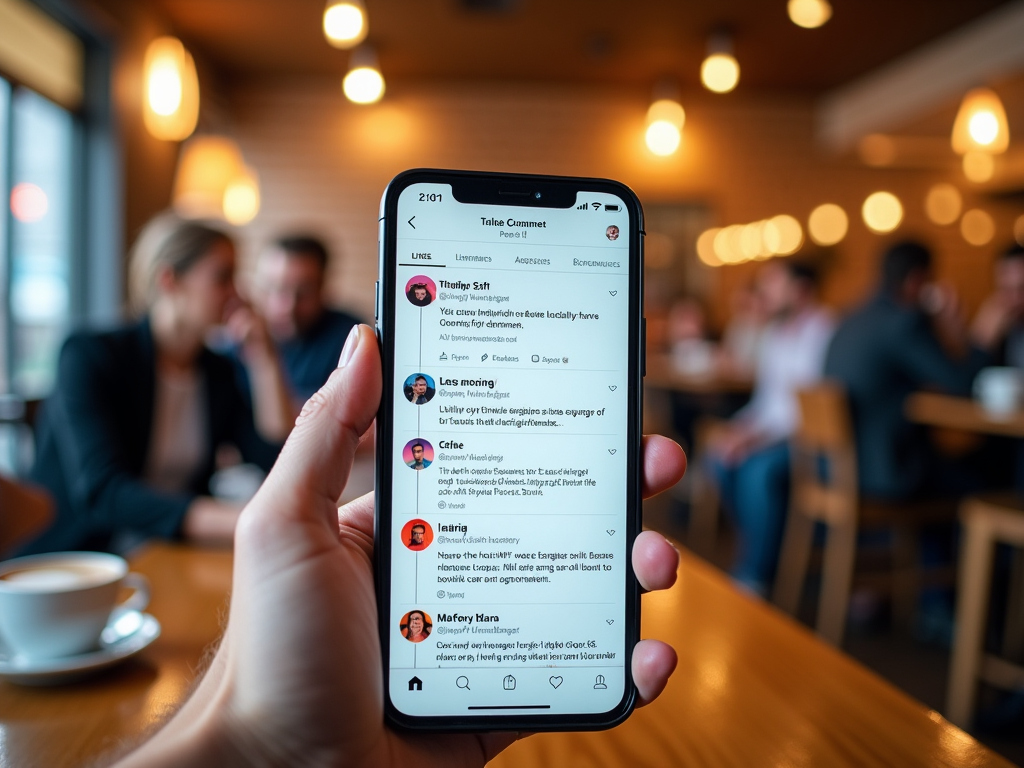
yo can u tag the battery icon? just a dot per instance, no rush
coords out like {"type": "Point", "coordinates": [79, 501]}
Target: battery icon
{"type": "Point", "coordinates": [611, 207]}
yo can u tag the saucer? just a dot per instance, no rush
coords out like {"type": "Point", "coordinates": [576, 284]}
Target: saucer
{"type": "Point", "coordinates": [128, 633]}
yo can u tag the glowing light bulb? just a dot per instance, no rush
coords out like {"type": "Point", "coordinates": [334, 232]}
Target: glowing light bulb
{"type": "Point", "coordinates": [981, 123]}
{"type": "Point", "coordinates": [665, 120]}
{"type": "Point", "coordinates": [345, 23]}
{"type": "Point", "coordinates": [172, 90]}
{"type": "Point", "coordinates": [364, 84]}
{"type": "Point", "coordinates": [809, 14]}
{"type": "Point", "coordinates": [706, 247]}
{"type": "Point", "coordinates": [827, 224]}
{"type": "Point", "coordinates": [720, 72]}
{"type": "Point", "coordinates": [242, 198]}
{"type": "Point", "coordinates": [882, 212]}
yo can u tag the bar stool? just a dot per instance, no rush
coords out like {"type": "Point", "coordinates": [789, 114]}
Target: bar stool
{"type": "Point", "coordinates": [824, 440]}
{"type": "Point", "coordinates": [987, 520]}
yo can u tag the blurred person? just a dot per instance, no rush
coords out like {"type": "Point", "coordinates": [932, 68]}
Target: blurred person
{"type": "Point", "coordinates": [296, 679]}
{"type": "Point", "coordinates": [1002, 314]}
{"type": "Point", "coordinates": [738, 354]}
{"type": "Point", "coordinates": [890, 348]}
{"type": "Point", "coordinates": [289, 294]}
{"type": "Point", "coordinates": [127, 440]}
{"type": "Point", "coordinates": [750, 457]}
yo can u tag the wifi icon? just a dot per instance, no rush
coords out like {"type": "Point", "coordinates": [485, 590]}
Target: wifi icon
{"type": "Point", "coordinates": [596, 206]}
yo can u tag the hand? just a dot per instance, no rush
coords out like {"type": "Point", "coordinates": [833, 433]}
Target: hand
{"type": "Point", "coordinates": [732, 444]}
{"type": "Point", "coordinates": [248, 329]}
{"type": "Point", "coordinates": [297, 679]}
{"type": "Point", "coordinates": [993, 321]}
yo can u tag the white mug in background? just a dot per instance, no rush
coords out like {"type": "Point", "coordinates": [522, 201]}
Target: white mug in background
{"type": "Point", "coordinates": [56, 605]}
{"type": "Point", "coordinates": [1000, 390]}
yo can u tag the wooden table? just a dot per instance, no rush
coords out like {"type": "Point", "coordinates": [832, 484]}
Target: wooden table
{"type": "Point", "coordinates": [753, 688]}
{"type": "Point", "coordinates": [961, 413]}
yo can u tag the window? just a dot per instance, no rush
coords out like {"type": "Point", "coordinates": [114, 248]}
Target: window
{"type": "Point", "coordinates": [59, 253]}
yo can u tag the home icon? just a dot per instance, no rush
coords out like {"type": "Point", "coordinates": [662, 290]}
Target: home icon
{"type": "Point", "coordinates": [415, 684]}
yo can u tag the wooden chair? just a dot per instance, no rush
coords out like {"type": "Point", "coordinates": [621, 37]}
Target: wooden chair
{"type": "Point", "coordinates": [824, 490]}
{"type": "Point", "coordinates": [24, 512]}
{"type": "Point", "coordinates": [986, 520]}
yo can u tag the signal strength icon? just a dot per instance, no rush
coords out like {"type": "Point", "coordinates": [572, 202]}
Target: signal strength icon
{"type": "Point", "coordinates": [581, 207]}
{"type": "Point", "coordinates": [596, 206]}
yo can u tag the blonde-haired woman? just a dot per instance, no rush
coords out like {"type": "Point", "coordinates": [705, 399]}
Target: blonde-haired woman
{"type": "Point", "coordinates": [127, 441]}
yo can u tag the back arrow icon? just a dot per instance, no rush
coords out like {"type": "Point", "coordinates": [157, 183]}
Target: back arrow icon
{"type": "Point", "coordinates": [411, 224]}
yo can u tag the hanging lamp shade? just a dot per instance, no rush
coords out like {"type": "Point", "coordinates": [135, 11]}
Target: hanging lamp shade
{"type": "Point", "coordinates": [981, 124]}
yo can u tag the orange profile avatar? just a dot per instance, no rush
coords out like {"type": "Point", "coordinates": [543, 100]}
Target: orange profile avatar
{"type": "Point", "coordinates": [417, 535]}
{"type": "Point", "coordinates": [415, 626]}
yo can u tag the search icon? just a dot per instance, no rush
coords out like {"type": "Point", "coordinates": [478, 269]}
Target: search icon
{"type": "Point", "coordinates": [462, 682]}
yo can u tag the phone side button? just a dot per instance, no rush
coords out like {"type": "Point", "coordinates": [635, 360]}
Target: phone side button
{"type": "Point", "coordinates": [376, 300]}
{"type": "Point", "coordinates": [643, 347]}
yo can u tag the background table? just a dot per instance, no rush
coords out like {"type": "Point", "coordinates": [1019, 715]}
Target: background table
{"type": "Point", "coordinates": [753, 688]}
{"type": "Point", "coordinates": [961, 413]}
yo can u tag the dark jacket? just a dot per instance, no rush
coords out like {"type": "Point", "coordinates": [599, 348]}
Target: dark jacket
{"type": "Point", "coordinates": [93, 435]}
{"type": "Point", "coordinates": [881, 353]}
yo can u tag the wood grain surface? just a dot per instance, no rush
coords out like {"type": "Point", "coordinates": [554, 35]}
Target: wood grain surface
{"type": "Point", "coordinates": [753, 688]}
{"type": "Point", "coordinates": [961, 413]}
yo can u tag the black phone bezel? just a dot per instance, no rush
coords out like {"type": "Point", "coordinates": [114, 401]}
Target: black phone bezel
{"type": "Point", "coordinates": [518, 190]}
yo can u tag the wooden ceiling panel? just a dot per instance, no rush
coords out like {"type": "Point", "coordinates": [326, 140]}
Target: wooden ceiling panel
{"type": "Point", "coordinates": [577, 41]}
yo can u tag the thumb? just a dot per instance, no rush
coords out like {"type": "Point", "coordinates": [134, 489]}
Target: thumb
{"type": "Point", "coordinates": [314, 464]}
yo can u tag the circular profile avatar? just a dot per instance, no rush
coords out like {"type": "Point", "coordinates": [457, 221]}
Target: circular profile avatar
{"type": "Point", "coordinates": [415, 626]}
{"type": "Point", "coordinates": [420, 290]}
{"type": "Point", "coordinates": [612, 233]}
{"type": "Point", "coordinates": [417, 535]}
{"type": "Point", "coordinates": [419, 389]}
{"type": "Point", "coordinates": [418, 454]}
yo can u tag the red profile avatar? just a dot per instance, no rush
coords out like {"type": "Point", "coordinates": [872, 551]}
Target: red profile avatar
{"type": "Point", "coordinates": [420, 291]}
{"type": "Point", "coordinates": [417, 535]}
{"type": "Point", "coordinates": [415, 626]}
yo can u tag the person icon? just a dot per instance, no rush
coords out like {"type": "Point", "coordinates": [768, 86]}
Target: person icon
{"type": "Point", "coordinates": [418, 454]}
{"type": "Point", "coordinates": [600, 684]}
{"type": "Point", "coordinates": [417, 535]}
{"type": "Point", "coordinates": [415, 626]}
{"type": "Point", "coordinates": [612, 233]}
{"type": "Point", "coordinates": [419, 389]}
{"type": "Point", "coordinates": [420, 291]}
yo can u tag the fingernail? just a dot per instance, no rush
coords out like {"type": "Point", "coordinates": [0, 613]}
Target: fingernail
{"type": "Point", "coordinates": [350, 347]}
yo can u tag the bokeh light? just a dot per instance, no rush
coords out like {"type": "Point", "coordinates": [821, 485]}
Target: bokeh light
{"type": "Point", "coordinates": [29, 203]}
{"type": "Point", "coordinates": [943, 204]}
{"type": "Point", "coordinates": [809, 14]}
{"type": "Point", "coordinates": [827, 224]}
{"type": "Point", "coordinates": [720, 72]}
{"type": "Point", "coordinates": [882, 212]}
{"type": "Point", "coordinates": [345, 23]}
{"type": "Point", "coordinates": [662, 137]}
{"type": "Point", "coordinates": [977, 227]}
{"type": "Point", "coordinates": [706, 247]}
{"type": "Point", "coordinates": [242, 198]}
{"type": "Point", "coordinates": [979, 166]}
{"type": "Point", "coordinates": [172, 90]}
{"type": "Point", "coordinates": [783, 235]}
{"type": "Point", "coordinates": [363, 85]}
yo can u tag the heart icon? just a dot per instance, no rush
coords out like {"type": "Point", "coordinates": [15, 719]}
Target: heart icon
{"type": "Point", "coordinates": [610, 621]}
{"type": "Point", "coordinates": [610, 532]}
{"type": "Point", "coordinates": [612, 387]}
{"type": "Point", "coordinates": [611, 451]}
{"type": "Point", "coordinates": [613, 293]}
{"type": "Point", "coordinates": [555, 681]}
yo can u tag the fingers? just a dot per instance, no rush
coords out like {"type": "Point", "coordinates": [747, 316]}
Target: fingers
{"type": "Point", "coordinates": [664, 464]}
{"type": "Point", "coordinates": [653, 664]}
{"type": "Point", "coordinates": [655, 561]}
{"type": "Point", "coordinates": [316, 460]}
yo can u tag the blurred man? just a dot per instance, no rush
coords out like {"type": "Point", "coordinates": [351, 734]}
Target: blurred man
{"type": "Point", "coordinates": [890, 348]}
{"type": "Point", "coordinates": [750, 458]}
{"type": "Point", "coordinates": [289, 294]}
{"type": "Point", "coordinates": [1002, 314]}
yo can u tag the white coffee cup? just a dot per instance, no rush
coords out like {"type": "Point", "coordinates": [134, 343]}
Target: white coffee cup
{"type": "Point", "coordinates": [1000, 390]}
{"type": "Point", "coordinates": [57, 604]}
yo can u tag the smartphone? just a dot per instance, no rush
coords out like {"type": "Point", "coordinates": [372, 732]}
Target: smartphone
{"type": "Point", "coordinates": [509, 313]}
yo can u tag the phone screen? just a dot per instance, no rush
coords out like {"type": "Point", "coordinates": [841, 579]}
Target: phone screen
{"type": "Point", "coordinates": [509, 485]}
